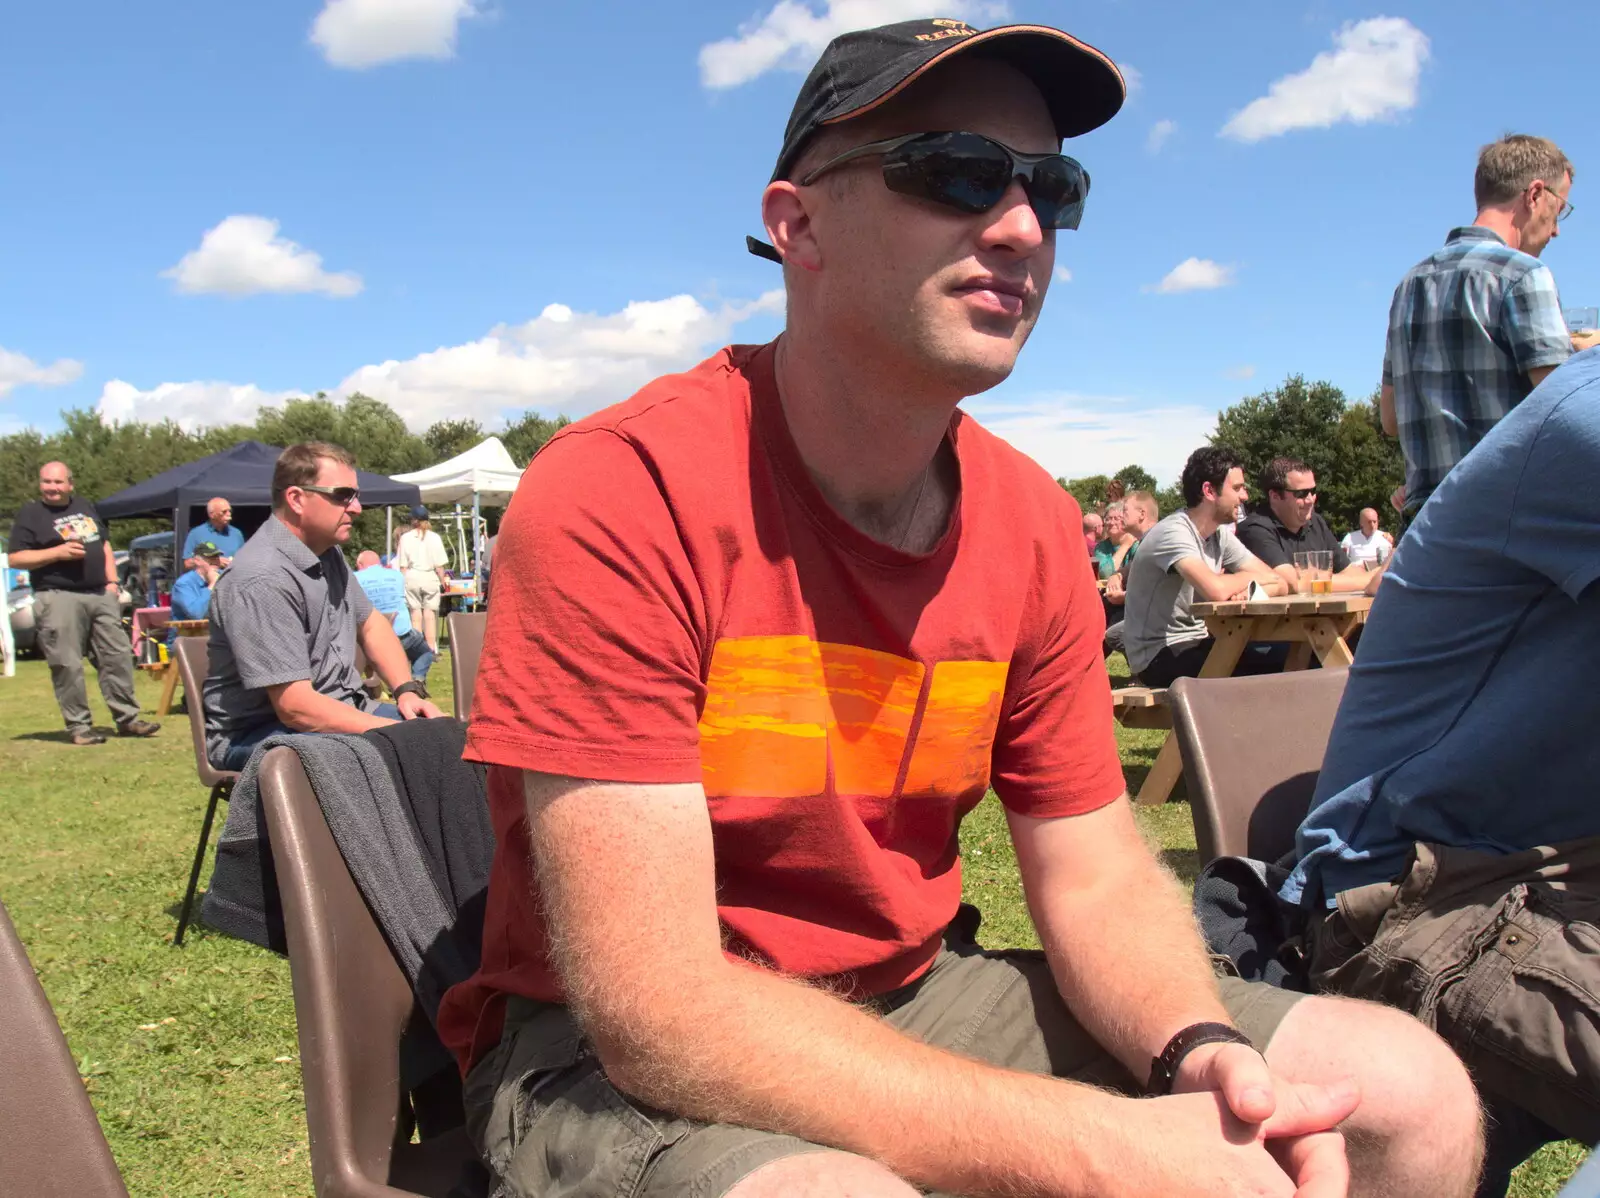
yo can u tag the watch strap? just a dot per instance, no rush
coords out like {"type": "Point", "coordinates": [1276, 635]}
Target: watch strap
{"type": "Point", "coordinates": [411, 687]}
{"type": "Point", "coordinates": [1164, 1069]}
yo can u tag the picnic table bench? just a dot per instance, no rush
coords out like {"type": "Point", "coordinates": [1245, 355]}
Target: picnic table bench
{"type": "Point", "coordinates": [168, 670]}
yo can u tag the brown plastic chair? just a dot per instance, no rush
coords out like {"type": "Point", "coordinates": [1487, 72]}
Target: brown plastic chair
{"type": "Point", "coordinates": [351, 1004]}
{"type": "Point", "coordinates": [1252, 749]}
{"type": "Point", "coordinates": [466, 647]}
{"type": "Point", "coordinates": [53, 1146]}
{"type": "Point", "coordinates": [194, 663]}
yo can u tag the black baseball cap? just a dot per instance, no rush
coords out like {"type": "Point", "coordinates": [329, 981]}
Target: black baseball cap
{"type": "Point", "coordinates": [866, 68]}
{"type": "Point", "coordinates": [207, 549]}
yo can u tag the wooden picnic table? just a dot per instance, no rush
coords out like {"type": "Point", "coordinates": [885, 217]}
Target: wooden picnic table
{"type": "Point", "coordinates": [1311, 623]}
{"type": "Point", "coordinates": [169, 687]}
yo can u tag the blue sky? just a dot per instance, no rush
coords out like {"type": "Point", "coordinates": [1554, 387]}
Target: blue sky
{"type": "Point", "coordinates": [473, 207]}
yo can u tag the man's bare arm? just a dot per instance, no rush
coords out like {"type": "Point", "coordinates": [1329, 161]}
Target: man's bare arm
{"type": "Point", "coordinates": [32, 559]}
{"type": "Point", "coordinates": [383, 649]}
{"type": "Point", "coordinates": [303, 708]}
{"type": "Point", "coordinates": [1386, 416]}
{"type": "Point", "coordinates": [1094, 889]}
{"type": "Point", "coordinates": [111, 569]}
{"type": "Point", "coordinates": [1209, 586]}
{"type": "Point", "coordinates": [1538, 374]}
{"type": "Point", "coordinates": [627, 883]}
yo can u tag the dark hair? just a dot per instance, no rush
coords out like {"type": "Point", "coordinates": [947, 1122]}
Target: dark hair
{"type": "Point", "coordinates": [299, 465]}
{"type": "Point", "coordinates": [1208, 464]}
{"type": "Point", "coordinates": [1276, 476]}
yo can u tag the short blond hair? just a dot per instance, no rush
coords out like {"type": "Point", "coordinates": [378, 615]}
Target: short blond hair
{"type": "Point", "coordinates": [1506, 167]}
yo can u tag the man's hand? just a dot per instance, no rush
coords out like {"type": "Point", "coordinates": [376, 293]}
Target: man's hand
{"type": "Point", "coordinates": [1585, 339]}
{"type": "Point", "coordinates": [112, 588]}
{"type": "Point", "coordinates": [1207, 1149]}
{"type": "Point", "coordinates": [413, 706]}
{"type": "Point", "coordinates": [1398, 500]}
{"type": "Point", "coordinates": [1114, 590]}
{"type": "Point", "coordinates": [69, 551]}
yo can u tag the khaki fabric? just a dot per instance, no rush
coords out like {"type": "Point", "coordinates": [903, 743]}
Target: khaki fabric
{"type": "Point", "coordinates": [1500, 954]}
{"type": "Point", "coordinates": [548, 1122]}
{"type": "Point", "coordinates": [73, 624]}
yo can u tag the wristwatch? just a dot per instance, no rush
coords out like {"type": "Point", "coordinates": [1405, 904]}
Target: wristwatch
{"type": "Point", "coordinates": [412, 687]}
{"type": "Point", "coordinates": [1164, 1069]}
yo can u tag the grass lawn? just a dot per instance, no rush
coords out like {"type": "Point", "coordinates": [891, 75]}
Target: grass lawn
{"type": "Point", "coordinates": [190, 1055]}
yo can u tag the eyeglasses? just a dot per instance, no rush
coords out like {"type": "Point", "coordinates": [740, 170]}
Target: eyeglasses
{"type": "Point", "coordinates": [970, 172]}
{"type": "Point", "coordinates": [1300, 492]}
{"type": "Point", "coordinates": [1566, 206]}
{"type": "Point", "coordinates": [341, 496]}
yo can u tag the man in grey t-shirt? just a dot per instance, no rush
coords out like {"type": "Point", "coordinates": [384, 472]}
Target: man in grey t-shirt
{"type": "Point", "coordinates": [287, 616]}
{"type": "Point", "coordinates": [1190, 552]}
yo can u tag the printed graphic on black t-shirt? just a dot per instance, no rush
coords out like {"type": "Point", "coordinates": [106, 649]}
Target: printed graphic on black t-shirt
{"type": "Point", "coordinates": [39, 526]}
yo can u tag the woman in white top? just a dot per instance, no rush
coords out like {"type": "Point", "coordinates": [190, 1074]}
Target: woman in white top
{"type": "Point", "coordinates": [420, 557]}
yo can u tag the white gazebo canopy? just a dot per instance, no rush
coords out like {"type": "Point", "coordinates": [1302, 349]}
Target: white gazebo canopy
{"type": "Point", "coordinates": [486, 470]}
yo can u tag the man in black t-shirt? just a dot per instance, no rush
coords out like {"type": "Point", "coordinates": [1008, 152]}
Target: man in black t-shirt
{"type": "Point", "coordinates": [1289, 523]}
{"type": "Point", "coordinates": [60, 540]}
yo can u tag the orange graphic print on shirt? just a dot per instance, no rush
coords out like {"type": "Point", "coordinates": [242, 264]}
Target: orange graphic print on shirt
{"type": "Point", "coordinates": [779, 709]}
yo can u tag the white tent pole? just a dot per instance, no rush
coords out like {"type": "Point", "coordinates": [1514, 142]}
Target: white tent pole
{"type": "Point", "coordinates": [477, 550]}
{"type": "Point", "coordinates": [8, 648]}
{"type": "Point", "coordinates": [388, 531]}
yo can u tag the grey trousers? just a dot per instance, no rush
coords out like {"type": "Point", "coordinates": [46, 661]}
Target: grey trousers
{"type": "Point", "coordinates": [72, 624]}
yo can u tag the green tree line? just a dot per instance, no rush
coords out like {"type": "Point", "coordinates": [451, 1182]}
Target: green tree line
{"type": "Point", "coordinates": [1341, 440]}
{"type": "Point", "coordinates": [106, 457]}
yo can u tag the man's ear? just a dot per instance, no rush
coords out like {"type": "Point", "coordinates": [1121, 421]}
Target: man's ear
{"type": "Point", "coordinates": [789, 225]}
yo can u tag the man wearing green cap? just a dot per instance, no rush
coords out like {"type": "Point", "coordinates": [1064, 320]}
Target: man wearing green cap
{"type": "Point", "coordinates": [191, 594]}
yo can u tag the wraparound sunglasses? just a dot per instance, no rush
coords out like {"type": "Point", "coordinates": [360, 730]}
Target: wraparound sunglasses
{"type": "Point", "coordinates": [968, 172]}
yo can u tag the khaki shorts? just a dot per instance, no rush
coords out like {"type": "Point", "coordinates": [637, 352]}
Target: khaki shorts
{"type": "Point", "coordinates": [422, 590]}
{"type": "Point", "coordinates": [547, 1121]}
{"type": "Point", "coordinates": [1499, 954]}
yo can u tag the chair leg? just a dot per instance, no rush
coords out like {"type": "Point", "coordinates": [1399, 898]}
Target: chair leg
{"type": "Point", "coordinates": [199, 858]}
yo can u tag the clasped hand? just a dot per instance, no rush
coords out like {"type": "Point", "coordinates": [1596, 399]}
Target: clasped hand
{"type": "Point", "coordinates": [1291, 1123]}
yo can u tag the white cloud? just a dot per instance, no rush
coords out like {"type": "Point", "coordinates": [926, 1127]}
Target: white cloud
{"type": "Point", "coordinates": [1076, 435]}
{"type": "Point", "coordinates": [245, 256]}
{"type": "Point", "coordinates": [560, 362]}
{"type": "Point", "coordinates": [1192, 274]}
{"type": "Point", "coordinates": [1063, 275]}
{"type": "Point", "coordinates": [1241, 373]}
{"type": "Point", "coordinates": [364, 33]}
{"type": "Point", "coordinates": [18, 370]}
{"type": "Point", "coordinates": [190, 405]}
{"type": "Point", "coordinates": [791, 35]}
{"type": "Point", "coordinates": [572, 362]}
{"type": "Point", "coordinates": [1159, 133]}
{"type": "Point", "coordinates": [1132, 76]}
{"type": "Point", "coordinates": [1371, 73]}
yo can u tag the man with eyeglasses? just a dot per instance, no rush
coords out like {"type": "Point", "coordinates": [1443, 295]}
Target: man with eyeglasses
{"type": "Point", "coordinates": [1289, 523]}
{"type": "Point", "coordinates": [287, 616]}
{"type": "Point", "coordinates": [218, 529]}
{"type": "Point", "coordinates": [1477, 325]}
{"type": "Point", "coordinates": [762, 635]}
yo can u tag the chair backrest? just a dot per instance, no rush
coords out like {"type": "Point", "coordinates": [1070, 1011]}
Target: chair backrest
{"type": "Point", "coordinates": [351, 1005]}
{"type": "Point", "coordinates": [194, 663]}
{"type": "Point", "coordinates": [52, 1146]}
{"type": "Point", "coordinates": [466, 647]}
{"type": "Point", "coordinates": [1252, 749]}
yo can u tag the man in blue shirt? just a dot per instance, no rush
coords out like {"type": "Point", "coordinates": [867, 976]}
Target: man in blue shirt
{"type": "Point", "coordinates": [1451, 858]}
{"type": "Point", "coordinates": [386, 588]}
{"type": "Point", "coordinates": [1477, 325]}
{"type": "Point", "coordinates": [218, 529]}
{"type": "Point", "coordinates": [191, 594]}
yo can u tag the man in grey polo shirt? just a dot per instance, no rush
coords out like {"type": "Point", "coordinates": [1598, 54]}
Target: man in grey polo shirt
{"type": "Point", "coordinates": [287, 616]}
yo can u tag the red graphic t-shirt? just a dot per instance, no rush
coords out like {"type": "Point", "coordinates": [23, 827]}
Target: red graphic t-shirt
{"type": "Point", "coordinates": [675, 601]}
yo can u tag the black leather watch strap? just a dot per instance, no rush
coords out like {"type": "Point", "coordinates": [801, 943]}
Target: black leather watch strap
{"type": "Point", "coordinates": [1164, 1069]}
{"type": "Point", "coordinates": [413, 687]}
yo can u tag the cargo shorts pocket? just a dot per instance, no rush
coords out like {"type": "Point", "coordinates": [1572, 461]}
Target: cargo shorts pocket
{"type": "Point", "coordinates": [1523, 1006]}
{"type": "Point", "coordinates": [557, 1125]}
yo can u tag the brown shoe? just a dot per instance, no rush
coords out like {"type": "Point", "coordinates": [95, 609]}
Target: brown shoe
{"type": "Point", "coordinates": [138, 728]}
{"type": "Point", "coordinates": [88, 738]}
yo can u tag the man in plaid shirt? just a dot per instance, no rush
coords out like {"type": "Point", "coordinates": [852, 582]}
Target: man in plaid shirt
{"type": "Point", "coordinates": [1477, 325]}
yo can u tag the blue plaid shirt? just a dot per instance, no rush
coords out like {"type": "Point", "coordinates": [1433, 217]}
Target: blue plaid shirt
{"type": "Point", "coordinates": [1466, 326]}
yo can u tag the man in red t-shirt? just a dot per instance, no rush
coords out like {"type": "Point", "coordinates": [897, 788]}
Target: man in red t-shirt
{"type": "Point", "coordinates": [762, 636]}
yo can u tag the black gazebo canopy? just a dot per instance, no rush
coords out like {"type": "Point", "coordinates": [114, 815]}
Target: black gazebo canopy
{"type": "Point", "coordinates": [242, 475]}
